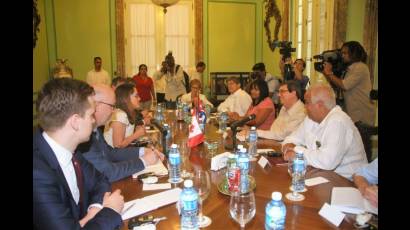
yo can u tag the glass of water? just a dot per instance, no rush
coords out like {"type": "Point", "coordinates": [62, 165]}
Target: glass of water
{"type": "Point", "coordinates": [212, 147]}
{"type": "Point", "coordinates": [242, 207]}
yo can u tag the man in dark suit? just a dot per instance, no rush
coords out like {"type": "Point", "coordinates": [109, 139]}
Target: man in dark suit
{"type": "Point", "coordinates": [68, 193]}
{"type": "Point", "coordinates": [117, 163]}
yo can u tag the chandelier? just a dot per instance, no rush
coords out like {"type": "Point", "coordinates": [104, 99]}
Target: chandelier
{"type": "Point", "coordinates": [164, 3]}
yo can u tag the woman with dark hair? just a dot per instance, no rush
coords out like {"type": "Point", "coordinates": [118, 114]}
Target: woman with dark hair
{"type": "Point", "coordinates": [122, 129]}
{"type": "Point", "coordinates": [262, 106]}
{"type": "Point", "coordinates": [145, 87]}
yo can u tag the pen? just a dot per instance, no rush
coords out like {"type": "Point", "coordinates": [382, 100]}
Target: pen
{"type": "Point", "coordinates": [129, 207]}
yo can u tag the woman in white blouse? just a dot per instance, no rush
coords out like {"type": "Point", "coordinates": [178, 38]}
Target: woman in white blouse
{"type": "Point", "coordinates": [122, 130]}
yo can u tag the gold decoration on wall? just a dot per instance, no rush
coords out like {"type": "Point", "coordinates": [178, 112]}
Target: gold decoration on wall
{"type": "Point", "coordinates": [36, 22]}
{"type": "Point", "coordinates": [272, 11]}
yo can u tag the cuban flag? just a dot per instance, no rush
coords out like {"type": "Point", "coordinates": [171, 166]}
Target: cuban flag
{"type": "Point", "coordinates": [196, 136]}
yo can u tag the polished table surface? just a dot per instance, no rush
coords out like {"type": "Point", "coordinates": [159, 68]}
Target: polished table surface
{"type": "Point", "coordinates": [299, 215]}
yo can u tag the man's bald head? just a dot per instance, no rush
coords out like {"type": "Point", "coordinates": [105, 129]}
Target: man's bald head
{"type": "Point", "coordinates": [319, 100]}
{"type": "Point", "coordinates": [105, 100]}
{"type": "Point", "coordinates": [322, 92]}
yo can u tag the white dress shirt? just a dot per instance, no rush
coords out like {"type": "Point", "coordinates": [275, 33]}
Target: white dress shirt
{"type": "Point", "coordinates": [100, 77]}
{"type": "Point", "coordinates": [334, 144]}
{"type": "Point", "coordinates": [64, 159]}
{"type": "Point", "coordinates": [186, 98]}
{"type": "Point", "coordinates": [287, 122]}
{"type": "Point", "coordinates": [239, 102]}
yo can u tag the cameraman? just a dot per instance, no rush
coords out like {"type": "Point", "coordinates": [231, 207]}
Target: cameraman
{"type": "Point", "coordinates": [296, 71]}
{"type": "Point", "coordinates": [356, 86]}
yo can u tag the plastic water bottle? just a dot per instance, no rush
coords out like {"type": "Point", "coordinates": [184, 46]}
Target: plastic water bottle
{"type": "Point", "coordinates": [252, 142]}
{"type": "Point", "coordinates": [243, 163]}
{"type": "Point", "coordinates": [275, 213]}
{"type": "Point", "coordinates": [189, 207]}
{"type": "Point", "coordinates": [299, 170]}
{"type": "Point", "coordinates": [168, 138]}
{"type": "Point", "coordinates": [174, 164]}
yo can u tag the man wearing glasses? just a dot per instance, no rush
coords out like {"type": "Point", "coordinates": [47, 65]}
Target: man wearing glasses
{"type": "Point", "coordinates": [116, 163]}
{"type": "Point", "coordinates": [291, 114]}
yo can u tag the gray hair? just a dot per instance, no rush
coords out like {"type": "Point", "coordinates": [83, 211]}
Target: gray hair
{"type": "Point", "coordinates": [323, 92]}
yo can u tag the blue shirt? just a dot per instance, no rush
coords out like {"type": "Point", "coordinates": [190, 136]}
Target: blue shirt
{"type": "Point", "coordinates": [370, 172]}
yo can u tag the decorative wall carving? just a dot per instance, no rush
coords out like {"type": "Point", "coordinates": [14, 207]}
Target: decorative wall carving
{"type": "Point", "coordinates": [272, 11]}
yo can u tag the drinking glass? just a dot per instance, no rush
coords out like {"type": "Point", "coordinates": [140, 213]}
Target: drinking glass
{"type": "Point", "coordinates": [184, 151]}
{"type": "Point", "coordinates": [242, 207]}
{"type": "Point", "coordinates": [212, 147]}
{"type": "Point", "coordinates": [202, 183]}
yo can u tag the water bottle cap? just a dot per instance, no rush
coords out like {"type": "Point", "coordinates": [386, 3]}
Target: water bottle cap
{"type": "Point", "coordinates": [299, 149]}
{"type": "Point", "coordinates": [174, 146]}
{"type": "Point", "coordinates": [253, 128]}
{"type": "Point", "coordinates": [240, 146]}
{"type": "Point", "coordinates": [188, 183]}
{"type": "Point", "coordinates": [165, 124]}
{"type": "Point", "coordinates": [276, 196]}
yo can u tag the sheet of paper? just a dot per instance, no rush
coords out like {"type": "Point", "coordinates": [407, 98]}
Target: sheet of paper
{"type": "Point", "coordinates": [146, 187]}
{"type": "Point", "coordinates": [264, 150]}
{"type": "Point", "coordinates": [315, 181]}
{"type": "Point", "coordinates": [347, 199]}
{"type": "Point", "coordinates": [263, 161]}
{"type": "Point", "coordinates": [331, 214]}
{"type": "Point", "coordinates": [149, 203]}
{"type": "Point", "coordinates": [158, 169]}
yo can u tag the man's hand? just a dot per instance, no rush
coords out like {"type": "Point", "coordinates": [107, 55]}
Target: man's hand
{"type": "Point", "coordinates": [371, 194]}
{"type": "Point", "coordinates": [288, 152]}
{"type": "Point", "coordinates": [327, 69]}
{"type": "Point", "coordinates": [150, 157]}
{"type": "Point", "coordinates": [233, 116]}
{"type": "Point", "coordinates": [90, 214]}
{"type": "Point", "coordinates": [114, 201]}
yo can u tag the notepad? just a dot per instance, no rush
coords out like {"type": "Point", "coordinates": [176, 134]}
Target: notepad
{"type": "Point", "coordinates": [140, 206]}
{"type": "Point", "coordinates": [350, 200]}
{"type": "Point", "coordinates": [158, 169]}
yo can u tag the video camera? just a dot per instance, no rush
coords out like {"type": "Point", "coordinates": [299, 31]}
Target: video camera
{"type": "Point", "coordinates": [332, 56]}
{"type": "Point", "coordinates": [286, 48]}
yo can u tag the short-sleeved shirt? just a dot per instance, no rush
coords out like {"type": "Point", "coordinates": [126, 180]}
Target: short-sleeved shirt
{"type": "Point", "coordinates": [120, 116]}
{"type": "Point", "coordinates": [357, 94]}
{"type": "Point", "coordinates": [144, 86]}
{"type": "Point", "coordinates": [100, 77]}
{"type": "Point", "coordinates": [264, 104]}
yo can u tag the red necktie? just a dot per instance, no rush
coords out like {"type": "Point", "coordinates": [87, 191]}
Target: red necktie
{"type": "Point", "coordinates": [79, 176]}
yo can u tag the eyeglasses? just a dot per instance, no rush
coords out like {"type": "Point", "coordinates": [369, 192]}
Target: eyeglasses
{"type": "Point", "coordinates": [283, 90]}
{"type": "Point", "coordinates": [111, 105]}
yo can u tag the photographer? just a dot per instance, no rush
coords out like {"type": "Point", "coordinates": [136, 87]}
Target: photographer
{"type": "Point", "coordinates": [294, 72]}
{"type": "Point", "coordinates": [355, 84]}
{"type": "Point", "coordinates": [174, 80]}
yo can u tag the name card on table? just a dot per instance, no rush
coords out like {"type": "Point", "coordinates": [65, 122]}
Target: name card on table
{"type": "Point", "coordinates": [147, 187]}
{"type": "Point", "coordinates": [219, 161]}
{"type": "Point", "coordinates": [315, 181]}
{"type": "Point", "coordinates": [263, 161]}
{"type": "Point", "coordinates": [332, 214]}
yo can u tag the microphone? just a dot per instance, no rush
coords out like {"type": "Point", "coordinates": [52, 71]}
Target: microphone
{"type": "Point", "coordinates": [236, 124]}
{"type": "Point", "coordinates": [158, 126]}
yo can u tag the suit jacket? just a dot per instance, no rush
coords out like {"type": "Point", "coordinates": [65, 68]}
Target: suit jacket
{"type": "Point", "coordinates": [104, 159]}
{"type": "Point", "coordinates": [53, 204]}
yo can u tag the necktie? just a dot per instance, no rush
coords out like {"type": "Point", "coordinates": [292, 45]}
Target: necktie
{"type": "Point", "coordinates": [79, 176]}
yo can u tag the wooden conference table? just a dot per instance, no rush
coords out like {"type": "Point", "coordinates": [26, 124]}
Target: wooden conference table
{"type": "Point", "coordinates": [300, 215]}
